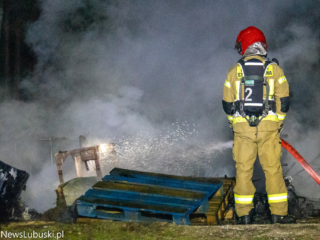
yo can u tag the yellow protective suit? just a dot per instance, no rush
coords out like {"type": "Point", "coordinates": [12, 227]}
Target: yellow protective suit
{"type": "Point", "coordinates": [263, 140]}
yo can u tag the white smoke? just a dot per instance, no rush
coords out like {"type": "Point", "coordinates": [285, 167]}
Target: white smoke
{"type": "Point", "coordinates": [125, 71]}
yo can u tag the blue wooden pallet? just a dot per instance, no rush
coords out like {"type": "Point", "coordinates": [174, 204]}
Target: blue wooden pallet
{"type": "Point", "coordinates": [127, 195]}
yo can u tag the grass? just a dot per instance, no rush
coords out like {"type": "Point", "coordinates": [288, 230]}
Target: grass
{"type": "Point", "coordinates": [153, 231]}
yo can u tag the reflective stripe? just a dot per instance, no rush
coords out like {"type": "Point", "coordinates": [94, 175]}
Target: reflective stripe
{"type": "Point", "coordinates": [243, 199]}
{"type": "Point", "coordinates": [282, 79]}
{"type": "Point", "coordinates": [271, 88]}
{"type": "Point", "coordinates": [230, 117]}
{"type": "Point", "coordinates": [253, 104]}
{"type": "Point", "coordinates": [269, 71]}
{"type": "Point", "coordinates": [227, 84]}
{"type": "Point", "coordinates": [268, 117]}
{"type": "Point", "coordinates": [240, 71]}
{"type": "Point", "coordinates": [253, 63]}
{"type": "Point", "coordinates": [274, 198]}
{"type": "Point", "coordinates": [237, 87]}
{"type": "Point", "coordinates": [281, 117]}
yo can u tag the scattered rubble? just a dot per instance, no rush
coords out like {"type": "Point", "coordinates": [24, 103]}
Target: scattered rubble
{"type": "Point", "coordinates": [12, 182]}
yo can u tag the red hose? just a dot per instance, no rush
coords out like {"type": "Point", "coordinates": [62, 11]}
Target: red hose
{"type": "Point", "coordinates": [301, 160]}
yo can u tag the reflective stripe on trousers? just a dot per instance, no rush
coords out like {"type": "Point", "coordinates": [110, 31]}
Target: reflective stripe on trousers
{"type": "Point", "coordinates": [275, 198]}
{"type": "Point", "coordinates": [243, 199]}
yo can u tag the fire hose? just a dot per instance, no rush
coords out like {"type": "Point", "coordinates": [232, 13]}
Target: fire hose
{"type": "Point", "coordinates": [301, 160]}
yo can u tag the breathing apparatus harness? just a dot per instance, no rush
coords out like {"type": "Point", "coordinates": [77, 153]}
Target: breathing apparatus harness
{"type": "Point", "coordinates": [252, 106]}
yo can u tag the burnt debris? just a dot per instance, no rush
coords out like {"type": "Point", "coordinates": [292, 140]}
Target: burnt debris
{"type": "Point", "coordinates": [12, 182]}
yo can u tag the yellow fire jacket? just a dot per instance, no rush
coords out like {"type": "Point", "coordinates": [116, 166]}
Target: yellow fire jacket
{"type": "Point", "coordinates": [278, 91]}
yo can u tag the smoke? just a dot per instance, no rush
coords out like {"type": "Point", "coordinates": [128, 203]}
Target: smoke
{"type": "Point", "coordinates": [142, 73]}
{"type": "Point", "coordinates": [296, 40]}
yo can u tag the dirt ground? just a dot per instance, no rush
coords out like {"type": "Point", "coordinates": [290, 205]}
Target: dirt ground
{"type": "Point", "coordinates": [124, 230]}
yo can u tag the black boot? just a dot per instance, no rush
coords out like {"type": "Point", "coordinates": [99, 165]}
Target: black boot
{"type": "Point", "coordinates": [282, 219]}
{"type": "Point", "coordinates": [246, 219]}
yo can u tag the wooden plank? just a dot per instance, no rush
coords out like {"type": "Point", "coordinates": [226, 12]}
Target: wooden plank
{"type": "Point", "coordinates": [229, 214]}
{"type": "Point", "coordinates": [219, 192]}
{"type": "Point", "coordinates": [149, 189]}
{"type": "Point", "coordinates": [216, 198]}
{"type": "Point", "coordinates": [217, 207]}
{"type": "Point", "coordinates": [132, 213]}
{"type": "Point", "coordinates": [213, 209]}
{"type": "Point", "coordinates": [212, 218]}
{"type": "Point", "coordinates": [128, 205]}
{"type": "Point", "coordinates": [222, 206]}
{"type": "Point", "coordinates": [143, 198]}
{"type": "Point", "coordinates": [77, 160]}
{"type": "Point", "coordinates": [131, 173]}
{"type": "Point", "coordinates": [226, 198]}
{"type": "Point", "coordinates": [202, 187]}
{"type": "Point", "coordinates": [142, 216]}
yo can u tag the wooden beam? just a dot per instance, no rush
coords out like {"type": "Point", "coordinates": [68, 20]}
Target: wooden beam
{"type": "Point", "coordinates": [60, 158]}
{"type": "Point", "coordinates": [77, 161]}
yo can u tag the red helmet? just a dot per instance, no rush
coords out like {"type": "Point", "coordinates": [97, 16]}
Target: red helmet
{"type": "Point", "coordinates": [249, 36]}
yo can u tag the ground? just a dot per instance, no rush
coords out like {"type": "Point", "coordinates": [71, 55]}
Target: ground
{"type": "Point", "coordinates": [127, 230]}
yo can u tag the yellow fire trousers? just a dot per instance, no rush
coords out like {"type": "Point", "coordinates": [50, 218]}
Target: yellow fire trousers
{"type": "Point", "coordinates": [267, 145]}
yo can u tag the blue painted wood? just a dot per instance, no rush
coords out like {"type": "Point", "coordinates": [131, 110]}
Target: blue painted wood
{"type": "Point", "coordinates": [158, 176]}
{"type": "Point", "coordinates": [85, 209]}
{"type": "Point", "coordinates": [117, 172]}
{"type": "Point", "coordinates": [204, 207]}
{"type": "Point", "coordinates": [128, 205]}
{"type": "Point", "coordinates": [139, 218]}
{"type": "Point", "coordinates": [125, 205]}
{"type": "Point", "coordinates": [129, 213]}
{"type": "Point", "coordinates": [131, 216]}
{"type": "Point", "coordinates": [143, 198]}
{"type": "Point", "coordinates": [194, 186]}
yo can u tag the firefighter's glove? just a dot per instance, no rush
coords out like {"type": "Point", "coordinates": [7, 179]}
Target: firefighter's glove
{"type": "Point", "coordinates": [281, 127]}
{"type": "Point", "coordinates": [231, 125]}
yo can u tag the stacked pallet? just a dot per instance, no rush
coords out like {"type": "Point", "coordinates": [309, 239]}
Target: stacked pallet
{"type": "Point", "coordinates": [128, 195]}
{"type": "Point", "coordinates": [217, 205]}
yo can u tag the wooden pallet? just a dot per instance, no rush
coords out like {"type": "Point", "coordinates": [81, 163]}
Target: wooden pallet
{"type": "Point", "coordinates": [217, 205]}
{"type": "Point", "coordinates": [139, 196]}
{"type": "Point", "coordinates": [212, 214]}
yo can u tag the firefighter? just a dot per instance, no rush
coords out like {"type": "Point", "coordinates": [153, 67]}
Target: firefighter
{"type": "Point", "coordinates": [256, 99]}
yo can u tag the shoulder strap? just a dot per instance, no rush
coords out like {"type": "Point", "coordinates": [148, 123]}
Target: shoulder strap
{"type": "Point", "coordinates": [241, 63]}
{"type": "Point", "coordinates": [241, 85]}
{"type": "Point", "coordinates": [266, 65]}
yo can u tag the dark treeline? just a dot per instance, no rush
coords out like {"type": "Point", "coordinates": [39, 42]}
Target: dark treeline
{"type": "Point", "coordinates": [16, 57]}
